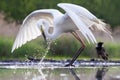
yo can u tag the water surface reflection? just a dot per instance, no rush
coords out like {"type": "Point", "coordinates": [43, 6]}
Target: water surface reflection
{"type": "Point", "coordinates": [83, 73]}
{"type": "Point", "coordinates": [101, 73]}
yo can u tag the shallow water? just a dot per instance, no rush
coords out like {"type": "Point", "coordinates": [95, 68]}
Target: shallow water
{"type": "Point", "coordinates": [54, 71]}
{"type": "Point", "coordinates": [111, 73]}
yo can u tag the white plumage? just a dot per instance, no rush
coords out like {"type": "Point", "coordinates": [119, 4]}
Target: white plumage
{"type": "Point", "coordinates": [75, 19]}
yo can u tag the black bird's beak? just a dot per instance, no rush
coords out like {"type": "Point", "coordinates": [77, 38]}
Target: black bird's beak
{"type": "Point", "coordinates": [43, 33]}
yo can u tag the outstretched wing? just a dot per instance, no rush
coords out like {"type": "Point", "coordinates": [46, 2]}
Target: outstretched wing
{"type": "Point", "coordinates": [29, 29]}
{"type": "Point", "coordinates": [78, 21]}
{"type": "Point", "coordinates": [87, 17]}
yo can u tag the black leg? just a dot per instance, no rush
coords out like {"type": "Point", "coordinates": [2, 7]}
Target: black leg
{"type": "Point", "coordinates": [76, 35]}
{"type": "Point", "coordinates": [75, 56]}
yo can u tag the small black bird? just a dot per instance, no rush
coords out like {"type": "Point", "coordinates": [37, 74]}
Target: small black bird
{"type": "Point", "coordinates": [101, 51]}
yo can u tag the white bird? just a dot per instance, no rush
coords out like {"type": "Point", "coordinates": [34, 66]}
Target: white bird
{"type": "Point", "coordinates": [76, 20]}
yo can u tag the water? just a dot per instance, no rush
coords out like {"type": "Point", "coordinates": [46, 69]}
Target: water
{"type": "Point", "coordinates": [55, 70]}
{"type": "Point", "coordinates": [47, 49]}
{"type": "Point", "coordinates": [111, 73]}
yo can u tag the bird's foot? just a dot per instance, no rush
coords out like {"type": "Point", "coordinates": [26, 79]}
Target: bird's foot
{"type": "Point", "coordinates": [69, 65]}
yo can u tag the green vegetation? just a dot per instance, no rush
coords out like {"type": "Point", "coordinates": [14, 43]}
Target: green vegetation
{"type": "Point", "coordinates": [60, 49]}
{"type": "Point", "coordinates": [29, 49]}
{"type": "Point", "coordinates": [103, 9]}
{"type": "Point", "coordinates": [17, 10]}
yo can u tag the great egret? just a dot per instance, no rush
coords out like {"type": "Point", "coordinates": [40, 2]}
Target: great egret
{"type": "Point", "coordinates": [77, 20]}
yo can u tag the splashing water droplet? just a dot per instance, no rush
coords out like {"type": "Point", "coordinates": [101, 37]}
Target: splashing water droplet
{"type": "Point", "coordinates": [42, 75]}
{"type": "Point", "coordinates": [55, 43]}
{"type": "Point", "coordinates": [47, 49]}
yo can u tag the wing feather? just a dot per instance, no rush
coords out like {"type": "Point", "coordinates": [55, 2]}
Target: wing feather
{"type": "Point", "coordinates": [87, 17]}
{"type": "Point", "coordinates": [29, 29]}
{"type": "Point", "coordinates": [79, 10]}
{"type": "Point", "coordinates": [79, 23]}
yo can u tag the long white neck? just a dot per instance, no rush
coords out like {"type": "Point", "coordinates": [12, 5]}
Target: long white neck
{"type": "Point", "coordinates": [50, 36]}
{"type": "Point", "coordinates": [46, 26]}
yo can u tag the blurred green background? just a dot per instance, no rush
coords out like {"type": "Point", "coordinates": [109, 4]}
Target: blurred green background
{"type": "Point", "coordinates": [13, 12]}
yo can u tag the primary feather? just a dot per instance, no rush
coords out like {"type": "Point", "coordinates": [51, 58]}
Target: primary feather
{"type": "Point", "coordinates": [86, 16]}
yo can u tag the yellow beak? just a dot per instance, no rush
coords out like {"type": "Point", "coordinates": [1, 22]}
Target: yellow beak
{"type": "Point", "coordinates": [43, 33]}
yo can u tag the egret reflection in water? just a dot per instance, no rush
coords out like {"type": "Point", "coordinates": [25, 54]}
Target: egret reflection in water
{"type": "Point", "coordinates": [82, 73]}
{"type": "Point", "coordinates": [72, 71]}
